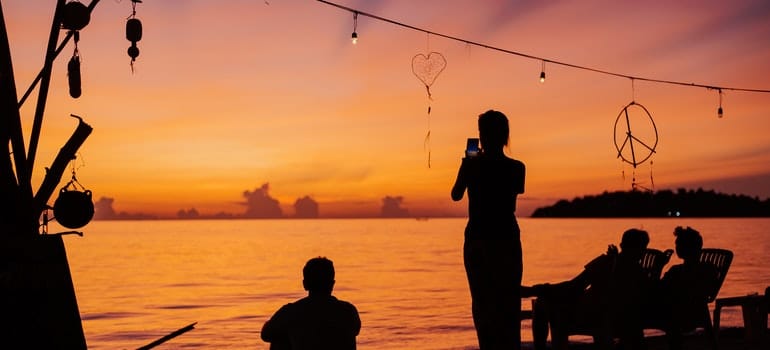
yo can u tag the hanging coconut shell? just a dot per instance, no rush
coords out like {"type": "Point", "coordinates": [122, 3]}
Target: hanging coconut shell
{"type": "Point", "coordinates": [73, 209]}
{"type": "Point", "coordinates": [75, 16]}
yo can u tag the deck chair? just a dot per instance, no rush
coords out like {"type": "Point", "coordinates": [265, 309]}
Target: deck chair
{"type": "Point", "coordinates": [652, 262]}
{"type": "Point", "coordinates": [721, 259]}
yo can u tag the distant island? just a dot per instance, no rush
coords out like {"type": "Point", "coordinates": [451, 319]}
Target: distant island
{"type": "Point", "coordinates": [664, 203]}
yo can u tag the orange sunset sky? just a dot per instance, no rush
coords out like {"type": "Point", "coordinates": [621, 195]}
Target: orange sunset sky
{"type": "Point", "coordinates": [229, 95]}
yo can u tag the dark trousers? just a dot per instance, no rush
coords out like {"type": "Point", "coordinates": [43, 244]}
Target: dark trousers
{"type": "Point", "coordinates": [494, 269]}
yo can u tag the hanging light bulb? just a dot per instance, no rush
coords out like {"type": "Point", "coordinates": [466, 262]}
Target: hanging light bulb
{"type": "Point", "coordinates": [720, 111]}
{"type": "Point", "coordinates": [542, 73]}
{"type": "Point", "coordinates": [354, 36]}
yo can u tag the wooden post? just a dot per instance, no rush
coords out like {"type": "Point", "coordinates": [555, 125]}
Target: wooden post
{"type": "Point", "coordinates": [20, 196]}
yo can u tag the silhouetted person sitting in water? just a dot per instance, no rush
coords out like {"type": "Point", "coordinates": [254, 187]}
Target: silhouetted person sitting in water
{"type": "Point", "coordinates": [684, 288]}
{"type": "Point", "coordinates": [317, 322]}
{"type": "Point", "coordinates": [605, 298]}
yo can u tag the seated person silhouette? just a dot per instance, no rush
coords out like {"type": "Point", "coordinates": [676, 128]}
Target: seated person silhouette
{"type": "Point", "coordinates": [684, 288]}
{"type": "Point", "coordinates": [318, 321]}
{"type": "Point", "coordinates": [605, 298]}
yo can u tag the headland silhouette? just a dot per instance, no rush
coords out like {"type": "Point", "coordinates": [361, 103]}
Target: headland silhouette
{"type": "Point", "coordinates": [664, 203]}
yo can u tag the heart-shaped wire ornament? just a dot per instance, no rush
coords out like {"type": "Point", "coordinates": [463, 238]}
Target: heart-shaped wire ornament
{"type": "Point", "coordinates": [427, 68]}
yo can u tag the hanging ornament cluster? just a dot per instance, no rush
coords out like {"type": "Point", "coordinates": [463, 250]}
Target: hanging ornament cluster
{"type": "Point", "coordinates": [427, 68]}
{"type": "Point", "coordinates": [74, 17]}
{"type": "Point", "coordinates": [637, 147]}
{"type": "Point", "coordinates": [133, 33]}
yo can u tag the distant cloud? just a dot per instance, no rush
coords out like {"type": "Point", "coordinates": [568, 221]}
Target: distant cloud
{"type": "Point", "coordinates": [757, 185]}
{"type": "Point", "coordinates": [306, 207]}
{"type": "Point", "coordinates": [103, 209]}
{"type": "Point", "coordinates": [192, 213]}
{"type": "Point", "coordinates": [391, 207]}
{"type": "Point", "coordinates": [259, 204]}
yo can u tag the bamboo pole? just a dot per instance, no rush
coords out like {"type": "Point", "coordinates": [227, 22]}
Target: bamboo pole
{"type": "Point", "coordinates": [45, 82]}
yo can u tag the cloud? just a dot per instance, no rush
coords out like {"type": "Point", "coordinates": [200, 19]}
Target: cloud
{"type": "Point", "coordinates": [391, 207]}
{"type": "Point", "coordinates": [259, 204]}
{"type": "Point", "coordinates": [306, 207]}
{"type": "Point", "coordinates": [103, 209]}
{"type": "Point", "coordinates": [757, 185]}
{"type": "Point", "coordinates": [192, 213]}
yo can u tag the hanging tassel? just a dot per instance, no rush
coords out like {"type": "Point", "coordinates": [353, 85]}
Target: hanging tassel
{"type": "Point", "coordinates": [426, 145]}
{"type": "Point", "coordinates": [652, 181]}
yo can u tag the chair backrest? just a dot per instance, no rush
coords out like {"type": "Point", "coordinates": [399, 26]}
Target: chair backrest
{"type": "Point", "coordinates": [767, 299]}
{"type": "Point", "coordinates": [653, 262]}
{"type": "Point", "coordinates": [721, 259]}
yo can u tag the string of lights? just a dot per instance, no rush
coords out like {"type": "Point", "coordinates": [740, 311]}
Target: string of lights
{"type": "Point", "coordinates": [355, 37]}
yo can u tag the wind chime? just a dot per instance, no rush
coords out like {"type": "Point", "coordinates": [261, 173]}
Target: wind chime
{"type": "Point", "coordinates": [427, 68]}
{"type": "Point", "coordinates": [133, 33]}
{"type": "Point", "coordinates": [638, 146]}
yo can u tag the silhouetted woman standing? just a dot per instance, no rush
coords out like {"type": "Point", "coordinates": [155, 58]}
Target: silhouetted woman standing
{"type": "Point", "coordinates": [492, 248]}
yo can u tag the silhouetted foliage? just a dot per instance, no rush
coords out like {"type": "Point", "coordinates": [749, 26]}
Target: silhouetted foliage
{"type": "Point", "coordinates": [665, 203]}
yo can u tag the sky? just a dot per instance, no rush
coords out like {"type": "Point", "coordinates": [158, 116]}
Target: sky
{"type": "Point", "coordinates": [232, 98]}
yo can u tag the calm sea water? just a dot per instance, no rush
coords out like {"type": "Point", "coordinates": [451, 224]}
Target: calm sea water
{"type": "Point", "coordinates": [139, 280]}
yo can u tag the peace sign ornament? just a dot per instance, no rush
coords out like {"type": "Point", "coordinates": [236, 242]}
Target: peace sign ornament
{"type": "Point", "coordinates": [636, 135]}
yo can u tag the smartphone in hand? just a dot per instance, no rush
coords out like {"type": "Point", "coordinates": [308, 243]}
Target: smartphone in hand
{"type": "Point", "coordinates": [472, 148]}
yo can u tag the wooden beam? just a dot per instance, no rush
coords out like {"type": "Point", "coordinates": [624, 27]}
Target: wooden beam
{"type": "Point", "coordinates": [59, 166]}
